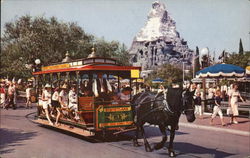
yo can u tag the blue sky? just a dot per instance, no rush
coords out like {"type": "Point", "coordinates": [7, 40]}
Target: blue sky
{"type": "Point", "coordinates": [216, 24]}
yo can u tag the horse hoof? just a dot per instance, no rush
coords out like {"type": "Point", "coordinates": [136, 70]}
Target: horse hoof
{"type": "Point", "coordinates": [158, 146]}
{"type": "Point", "coordinates": [171, 154]}
{"type": "Point", "coordinates": [136, 145]}
{"type": "Point", "coordinates": [148, 149]}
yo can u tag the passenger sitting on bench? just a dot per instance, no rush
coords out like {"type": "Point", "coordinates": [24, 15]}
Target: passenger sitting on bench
{"type": "Point", "coordinates": [124, 96]}
{"type": "Point", "coordinates": [114, 98]}
{"type": "Point", "coordinates": [87, 93]}
{"type": "Point", "coordinates": [63, 100]}
{"type": "Point", "coordinates": [63, 96]}
{"type": "Point", "coordinates": [73, 103]}
{"type": "Point", "coordinates": [101, 87]}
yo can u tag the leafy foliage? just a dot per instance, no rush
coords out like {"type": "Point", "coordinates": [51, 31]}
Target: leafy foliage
{"type": "Point", "coordinates": [241, 51]}
{"type": "Point", "coordinates": [169, 73]}
{"type": "Point", "coordinates": [242, 60]}
{"type": "Point", "coordinates": [197, 65]}
{"type": "Point", "coordinates": [29, 38]}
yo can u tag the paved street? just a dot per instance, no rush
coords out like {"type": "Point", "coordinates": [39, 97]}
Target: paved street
{"type": "Point", "coordinates": [21, 138]}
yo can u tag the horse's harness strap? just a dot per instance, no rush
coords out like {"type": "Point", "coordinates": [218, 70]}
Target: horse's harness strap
{"type": "Point", "coordinates": [152, 101]}
{"type": "Point", "coordinates": [160, 108]}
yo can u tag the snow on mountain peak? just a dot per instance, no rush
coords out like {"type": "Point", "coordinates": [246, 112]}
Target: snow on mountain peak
{"type": "Point", "coordinates": [158, 24]}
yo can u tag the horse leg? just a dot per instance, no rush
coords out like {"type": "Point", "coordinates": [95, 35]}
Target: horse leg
{"type": "Point", "coordinates": [135, 138]}
{"type": "Point", "coordinates": [146, 144]}
{"type": "Point", "coordinates": [164, 138]}
{"type": "Point", "coordinates": [170, 147]}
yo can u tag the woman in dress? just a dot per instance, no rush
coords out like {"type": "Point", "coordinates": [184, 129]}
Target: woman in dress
{"type": "Point", "coordinates": [233, 100]}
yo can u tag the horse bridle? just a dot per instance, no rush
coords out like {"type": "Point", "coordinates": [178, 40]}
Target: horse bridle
{"type": "Point", "coordinates": [184, 104]}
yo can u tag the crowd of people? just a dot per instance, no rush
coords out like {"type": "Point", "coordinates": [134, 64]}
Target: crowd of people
{"type": "Point", "coordinates": [63, 100]}
{"type": "Point", "coordinates": [216, 95]}
{"type": "Point", "coordinates": [9, 91]}
{"type": "Point", "coordinates": [54, 99]}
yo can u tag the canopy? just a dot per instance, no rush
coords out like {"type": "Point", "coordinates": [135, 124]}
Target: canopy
{"type": "Point", "coordinates": [158, 80]}
{"type": "Point", "coordinates": [248, 70]}
{"type": "Point", "coordinates": [221, 70]}
{"type": "Point", "coordinates": [139, 80]}
{"type": "Point", "coordinates": [199, 80]}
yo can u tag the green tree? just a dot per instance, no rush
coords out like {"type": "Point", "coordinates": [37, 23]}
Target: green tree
{"type": "Point", "coordinates": [29, 38]}
{"type": "Point", "coordinates": [169, 73]}
{"type": "Point", "coordinates": [241, 51]}
{"type": "Point", "coordinates": [241, 60]}
{"type": "Point", "coordinates": [197, 65]}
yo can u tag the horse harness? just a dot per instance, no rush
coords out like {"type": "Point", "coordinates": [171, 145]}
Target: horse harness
{"type": "Point", "coordinates": [165, 107]}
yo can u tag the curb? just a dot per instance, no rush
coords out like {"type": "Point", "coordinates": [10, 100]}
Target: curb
{"type": "Point", "coordinates": [232, 131]}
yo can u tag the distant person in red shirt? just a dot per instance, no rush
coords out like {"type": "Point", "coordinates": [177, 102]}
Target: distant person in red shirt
{"type": "Point", "coordinates": [2, 94]}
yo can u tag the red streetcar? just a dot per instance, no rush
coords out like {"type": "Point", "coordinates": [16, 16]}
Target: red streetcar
{"type": "Point", "coordinates": [98, 108]}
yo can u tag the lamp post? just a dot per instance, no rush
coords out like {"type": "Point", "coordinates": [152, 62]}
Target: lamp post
{"type": "Point", "coordinates": [36, 66]}
{"type": "Point", "coordinates": [183, 71]}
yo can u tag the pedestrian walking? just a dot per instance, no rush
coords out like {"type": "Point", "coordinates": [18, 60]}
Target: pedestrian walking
{"type": "Point", "coordinates": [10, 96]}
{"type": "Point", "coordinates": [217, 108]}
{"type": "Point", "coordinates": [211, 91]}
{"type": "Point", "coordinates": [28, 96]}
{"type": "Point", "coordinates": [2, 94]}
{"type": "Point", "coordinates": [233, 100]}
{"type": "Point", "coordinates": [198, 106]}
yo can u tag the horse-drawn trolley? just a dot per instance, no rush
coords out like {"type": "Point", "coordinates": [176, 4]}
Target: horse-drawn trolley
{"type": "Point", "coordinates": [95, 99]}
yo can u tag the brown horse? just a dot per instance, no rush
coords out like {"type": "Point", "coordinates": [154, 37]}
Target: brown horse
{"type": "Point", "coordinates": [164, 110]}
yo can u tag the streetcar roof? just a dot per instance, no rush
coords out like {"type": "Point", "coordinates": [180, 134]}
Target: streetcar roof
{"type": "Point", "coordinates": [90, 68]}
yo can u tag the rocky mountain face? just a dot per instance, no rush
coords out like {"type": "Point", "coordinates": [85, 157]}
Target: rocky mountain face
{"type": "Point", "coordinates": [158, 42]}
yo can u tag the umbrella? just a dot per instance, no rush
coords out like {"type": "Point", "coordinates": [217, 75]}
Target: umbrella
{"type": "Point", "coordinates": [221, 70]}
{"type": "Point", "coordinates": [158, 80]}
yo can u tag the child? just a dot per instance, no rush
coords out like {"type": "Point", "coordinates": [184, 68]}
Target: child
{"type": "Point", "coordinates": [198, 107]}
{"type": "Point", "coordinates": [115, 99]}
{"type": "Point", "coordinates": [216, 108]}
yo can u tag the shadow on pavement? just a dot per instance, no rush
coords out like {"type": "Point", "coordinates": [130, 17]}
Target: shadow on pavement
{"type": "Point", "coordinates": [12, 138]}
{"type": "Point", "coordinates": [153, 132]}
{"type": "Point", "coordinates": [183, 149]}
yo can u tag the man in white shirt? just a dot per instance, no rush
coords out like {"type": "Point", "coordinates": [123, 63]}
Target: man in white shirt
{"type": "Point", "coordinates": [73, 103]}
{"type": "Point", "coordinates": [63, 97]}
{"type": "Point", "coordinates": [124, 96]}
{"type": "Point", "coordinates": [101, 87]}
{"type": "Point", "coordinates": [73, 98]}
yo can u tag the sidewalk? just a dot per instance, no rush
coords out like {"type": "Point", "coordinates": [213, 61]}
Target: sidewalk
{"type": "Point", "coordinates": [242, 128]}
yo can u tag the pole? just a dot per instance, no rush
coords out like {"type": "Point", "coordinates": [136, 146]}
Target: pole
{"type": "Point", "coordinates": [194, 66]}
{"type": "Point", "coordinates": [204, 92]}
{"type": "Point", "coordinates": [183, 77]}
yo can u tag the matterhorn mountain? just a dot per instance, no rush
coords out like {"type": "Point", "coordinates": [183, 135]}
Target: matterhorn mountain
{"type": "Point", "coordinates": [158, 42]}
